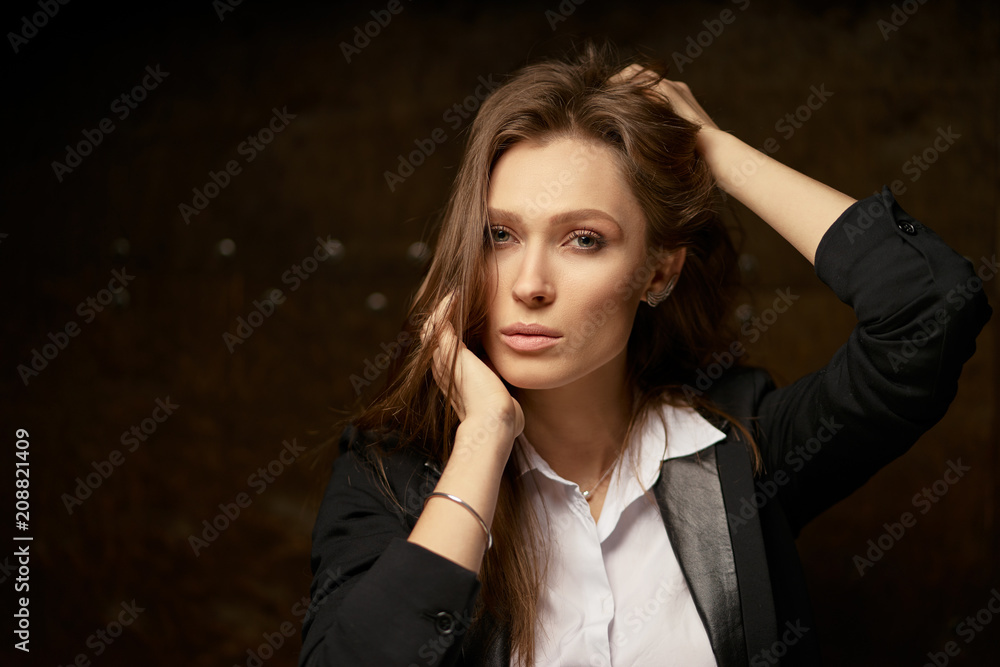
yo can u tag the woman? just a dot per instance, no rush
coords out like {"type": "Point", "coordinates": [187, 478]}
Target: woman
{"type": "Point", "coordinates": [572, 481]}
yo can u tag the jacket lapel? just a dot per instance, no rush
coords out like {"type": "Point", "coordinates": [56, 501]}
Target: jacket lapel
{"type": "Point", "coordinates": [689, 494]}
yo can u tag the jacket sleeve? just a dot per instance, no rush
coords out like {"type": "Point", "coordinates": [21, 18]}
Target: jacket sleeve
{"type": "Point", "coordinates": [919, 306]}
{"type": "Point", "coordinates": [377, 599]}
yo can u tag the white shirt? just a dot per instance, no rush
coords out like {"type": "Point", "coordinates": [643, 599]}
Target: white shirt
{"type": "Point", "coordinates": [615, 593]}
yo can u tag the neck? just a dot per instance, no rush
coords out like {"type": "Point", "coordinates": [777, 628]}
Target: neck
{"type": "Point", "coordinates": [579, 429]}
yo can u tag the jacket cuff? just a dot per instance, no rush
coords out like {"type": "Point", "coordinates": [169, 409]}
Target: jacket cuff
{"type": "Point", "coordinates": [860, 231]}
{"type": "Point", "coordinates": [420, 598]}
{"type": "Point", "coordinates": [877, 258]}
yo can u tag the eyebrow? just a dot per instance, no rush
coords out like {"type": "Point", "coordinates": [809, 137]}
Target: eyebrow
{"type": "Point", "coordinates": [501, 215]}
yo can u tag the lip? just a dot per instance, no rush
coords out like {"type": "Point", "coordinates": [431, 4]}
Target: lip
{"type": "Point", "coordinates": [529, 337]}
{"type": "Point", "coordinates": [526, 343]}
{"type": "Point", "coordinates": [520, 328]}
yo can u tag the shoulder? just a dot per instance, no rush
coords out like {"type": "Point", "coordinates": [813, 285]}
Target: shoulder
{"type": "Point", "coordinates": [374, 464]}
{"type": "Point", "coordinates": [738, 391]}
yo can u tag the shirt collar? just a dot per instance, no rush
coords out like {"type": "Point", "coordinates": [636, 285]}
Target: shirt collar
{"type": "Point", "coordinates": [689, 433]}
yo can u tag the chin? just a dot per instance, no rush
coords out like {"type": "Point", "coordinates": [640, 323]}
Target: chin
{"type": "Point", "coordinates": [534, 373]}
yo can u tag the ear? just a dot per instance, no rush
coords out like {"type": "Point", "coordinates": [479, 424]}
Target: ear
{"type": "Point", "coordinates": [668, 267]}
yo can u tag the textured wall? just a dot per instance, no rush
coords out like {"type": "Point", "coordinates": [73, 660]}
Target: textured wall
{"type": "Point", "coordinates": [191, 276]}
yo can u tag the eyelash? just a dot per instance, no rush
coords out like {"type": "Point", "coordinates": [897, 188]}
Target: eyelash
{"type": "Point", "coordinates": [586, 232]}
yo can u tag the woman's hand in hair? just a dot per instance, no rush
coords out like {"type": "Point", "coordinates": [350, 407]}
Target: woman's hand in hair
{"type": "Point", "coordinates": [479, 393]}
{"type": "Point", "coordinates": [677, 93]}
{"type": "Point", "coordinates": [799, 208]}
{"type": "Point", "coordinates": [491, 419]}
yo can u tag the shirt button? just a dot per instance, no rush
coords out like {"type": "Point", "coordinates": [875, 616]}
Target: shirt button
{"type": "Point", "coordinates": [907, 228]}
{"type": "Point", "coordinates": [444, 622]}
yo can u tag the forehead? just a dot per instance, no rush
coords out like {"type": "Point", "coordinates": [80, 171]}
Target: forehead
{"type": "Point", "coordinates": [536, 180]}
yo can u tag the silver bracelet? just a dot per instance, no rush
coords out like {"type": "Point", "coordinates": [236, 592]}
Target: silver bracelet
{"type": "Point", "coordinates": [489, 535]}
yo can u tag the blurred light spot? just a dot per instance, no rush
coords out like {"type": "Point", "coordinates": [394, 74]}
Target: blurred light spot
{"type": "Point", "coordinates": [744, 312]}
{"type": "Point", "coordinates": [748, 263]}
{"type": "Point", "coordinates": [334, 247]}
{"type": "Point", "coordinates": [120, 247]}
{"type": "Point", "coordinates": [376, 301]}
{"type": "Point", "coordinates": [417, 252]}
{"type": "Point", "coordinates": [122, 299]}
{"type": "Point", "coordinates": [226, 247]}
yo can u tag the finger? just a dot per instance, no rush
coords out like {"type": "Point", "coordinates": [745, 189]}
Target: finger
{"type": "Point", "coordinates": [450, 384]}
{"type": "Point", "coordinates": [439, 332]}
{"type": "Point", "coordinates": [626, 74]}
{"type": "Point", "coordinates": [640, 74]}
{"type": "Point", "coordinates": [436, 315]}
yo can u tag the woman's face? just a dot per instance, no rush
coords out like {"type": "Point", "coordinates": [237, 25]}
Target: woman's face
{"type": "Point", "coordinates": [570, 256]}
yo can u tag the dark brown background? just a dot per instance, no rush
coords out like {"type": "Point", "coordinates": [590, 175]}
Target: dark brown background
{"type": "Point", "coordinates": [323, 176]}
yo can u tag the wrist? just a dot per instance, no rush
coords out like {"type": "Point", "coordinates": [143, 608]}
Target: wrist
{"type": "Point", "coordinates": [709, 138]}
{"type": "Point", "coordinates": [731, 160]}
{"type": "Point", "coordinates": [486, 433]}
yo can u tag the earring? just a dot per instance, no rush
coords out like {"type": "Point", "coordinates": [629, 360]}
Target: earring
{"type": "Point", "coordinates": [656, 299]}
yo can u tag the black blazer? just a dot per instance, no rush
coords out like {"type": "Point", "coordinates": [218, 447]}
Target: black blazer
{"type": "Point", "coordinates": [378, 599]}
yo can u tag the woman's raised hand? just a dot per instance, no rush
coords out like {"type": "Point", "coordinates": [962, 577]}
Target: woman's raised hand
{"type": "Point", "coordinates": [490, 421]}
{"type": "Point", "coordinates": [479, 393]}
{"type": "Point", "coordinates": [799, 208]}
{"type": "Point", "coordinates": [677, 93]}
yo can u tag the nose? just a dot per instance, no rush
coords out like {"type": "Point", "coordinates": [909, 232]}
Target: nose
{"type": "Point", "coordinates": [533, 281]}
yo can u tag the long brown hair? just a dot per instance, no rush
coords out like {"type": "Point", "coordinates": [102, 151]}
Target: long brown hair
{"type": "Point", "coordinates": [656, 151]}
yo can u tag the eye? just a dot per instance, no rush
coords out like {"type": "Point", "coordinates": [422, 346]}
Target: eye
{"type": "Point", "coordinates": [589, 240]}
{"type": "Point", "coordinates": [500, 234]}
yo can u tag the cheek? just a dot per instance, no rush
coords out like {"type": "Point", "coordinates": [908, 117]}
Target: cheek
{"type": "Point", "coordinates": [604, 310]}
